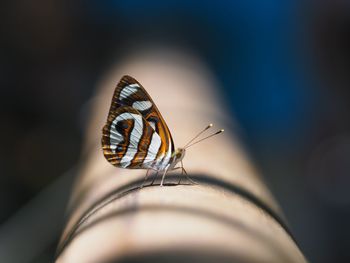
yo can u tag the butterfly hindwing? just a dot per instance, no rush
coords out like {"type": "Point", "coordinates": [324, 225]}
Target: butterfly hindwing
{"type": "Point", "coordinates": [129, 141]}
{"type": "Point", "coordinates": [130, 93]}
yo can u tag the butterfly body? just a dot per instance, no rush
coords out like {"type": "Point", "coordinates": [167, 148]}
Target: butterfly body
{"type": "Point", "coordinates": [178, 155]}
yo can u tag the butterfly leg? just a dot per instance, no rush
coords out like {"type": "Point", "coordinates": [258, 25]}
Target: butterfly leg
{"type": "Point", "coordinates": [184, 171]}
{"type": "Point", "coordinates": [155, 177]}
{"type": "Point", "coordinates": [165, 171]}
{"type": "Point", "coordinates": [144, 181]}
{"type": "Point", "coordinates": [181, 172]}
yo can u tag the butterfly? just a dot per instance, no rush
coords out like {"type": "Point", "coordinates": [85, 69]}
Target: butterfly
{"type": "Point", "coordinates": [136, 136]}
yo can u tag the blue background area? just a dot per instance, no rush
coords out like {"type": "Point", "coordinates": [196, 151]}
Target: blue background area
{"type": "Point", "coordinates": [252, 52]}
{"type": "Point", "coordinates": [283, 67]}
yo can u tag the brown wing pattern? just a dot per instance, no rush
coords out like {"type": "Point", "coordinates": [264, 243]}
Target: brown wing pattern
{"type": "Point", "coordinates": [128, 141]}
{"type": "Point", "coordinates": [130, 96]}
{"type": "Point", "coordinates": [129, 91]}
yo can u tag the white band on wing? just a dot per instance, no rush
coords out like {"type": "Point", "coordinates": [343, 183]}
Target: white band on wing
{"type": "Point", "coordinates": [134, 137]}
{"type": "Point", "coordinates": [128, 90]}
{"type": "Point", "coordinates": [153, 148]}
{"type": "Point", "coordinates": [142, 105]}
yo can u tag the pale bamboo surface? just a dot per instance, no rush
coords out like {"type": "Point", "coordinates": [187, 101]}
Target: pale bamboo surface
{"type": "Point", "coordinates": [111, 220]}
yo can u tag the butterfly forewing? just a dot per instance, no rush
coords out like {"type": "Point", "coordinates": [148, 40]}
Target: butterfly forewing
{"type": "Point", "coordinates": [136, 135]}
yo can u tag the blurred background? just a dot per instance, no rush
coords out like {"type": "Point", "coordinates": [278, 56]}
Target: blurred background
{"type": "Point", "coordinates": [284, 68]}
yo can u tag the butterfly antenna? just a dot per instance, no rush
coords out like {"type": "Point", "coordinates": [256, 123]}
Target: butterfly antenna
{"type": "Point", "coordinates": [218, 132]}
{"type": "Point", "coordinates": [206, 128]}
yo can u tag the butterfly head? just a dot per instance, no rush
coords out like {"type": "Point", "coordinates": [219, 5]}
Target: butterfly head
{"type": "Point", "coordinates": [179, 154]}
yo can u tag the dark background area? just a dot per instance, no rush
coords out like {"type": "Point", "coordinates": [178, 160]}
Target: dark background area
{"type": "Point", "coordinates": [284, 67]}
